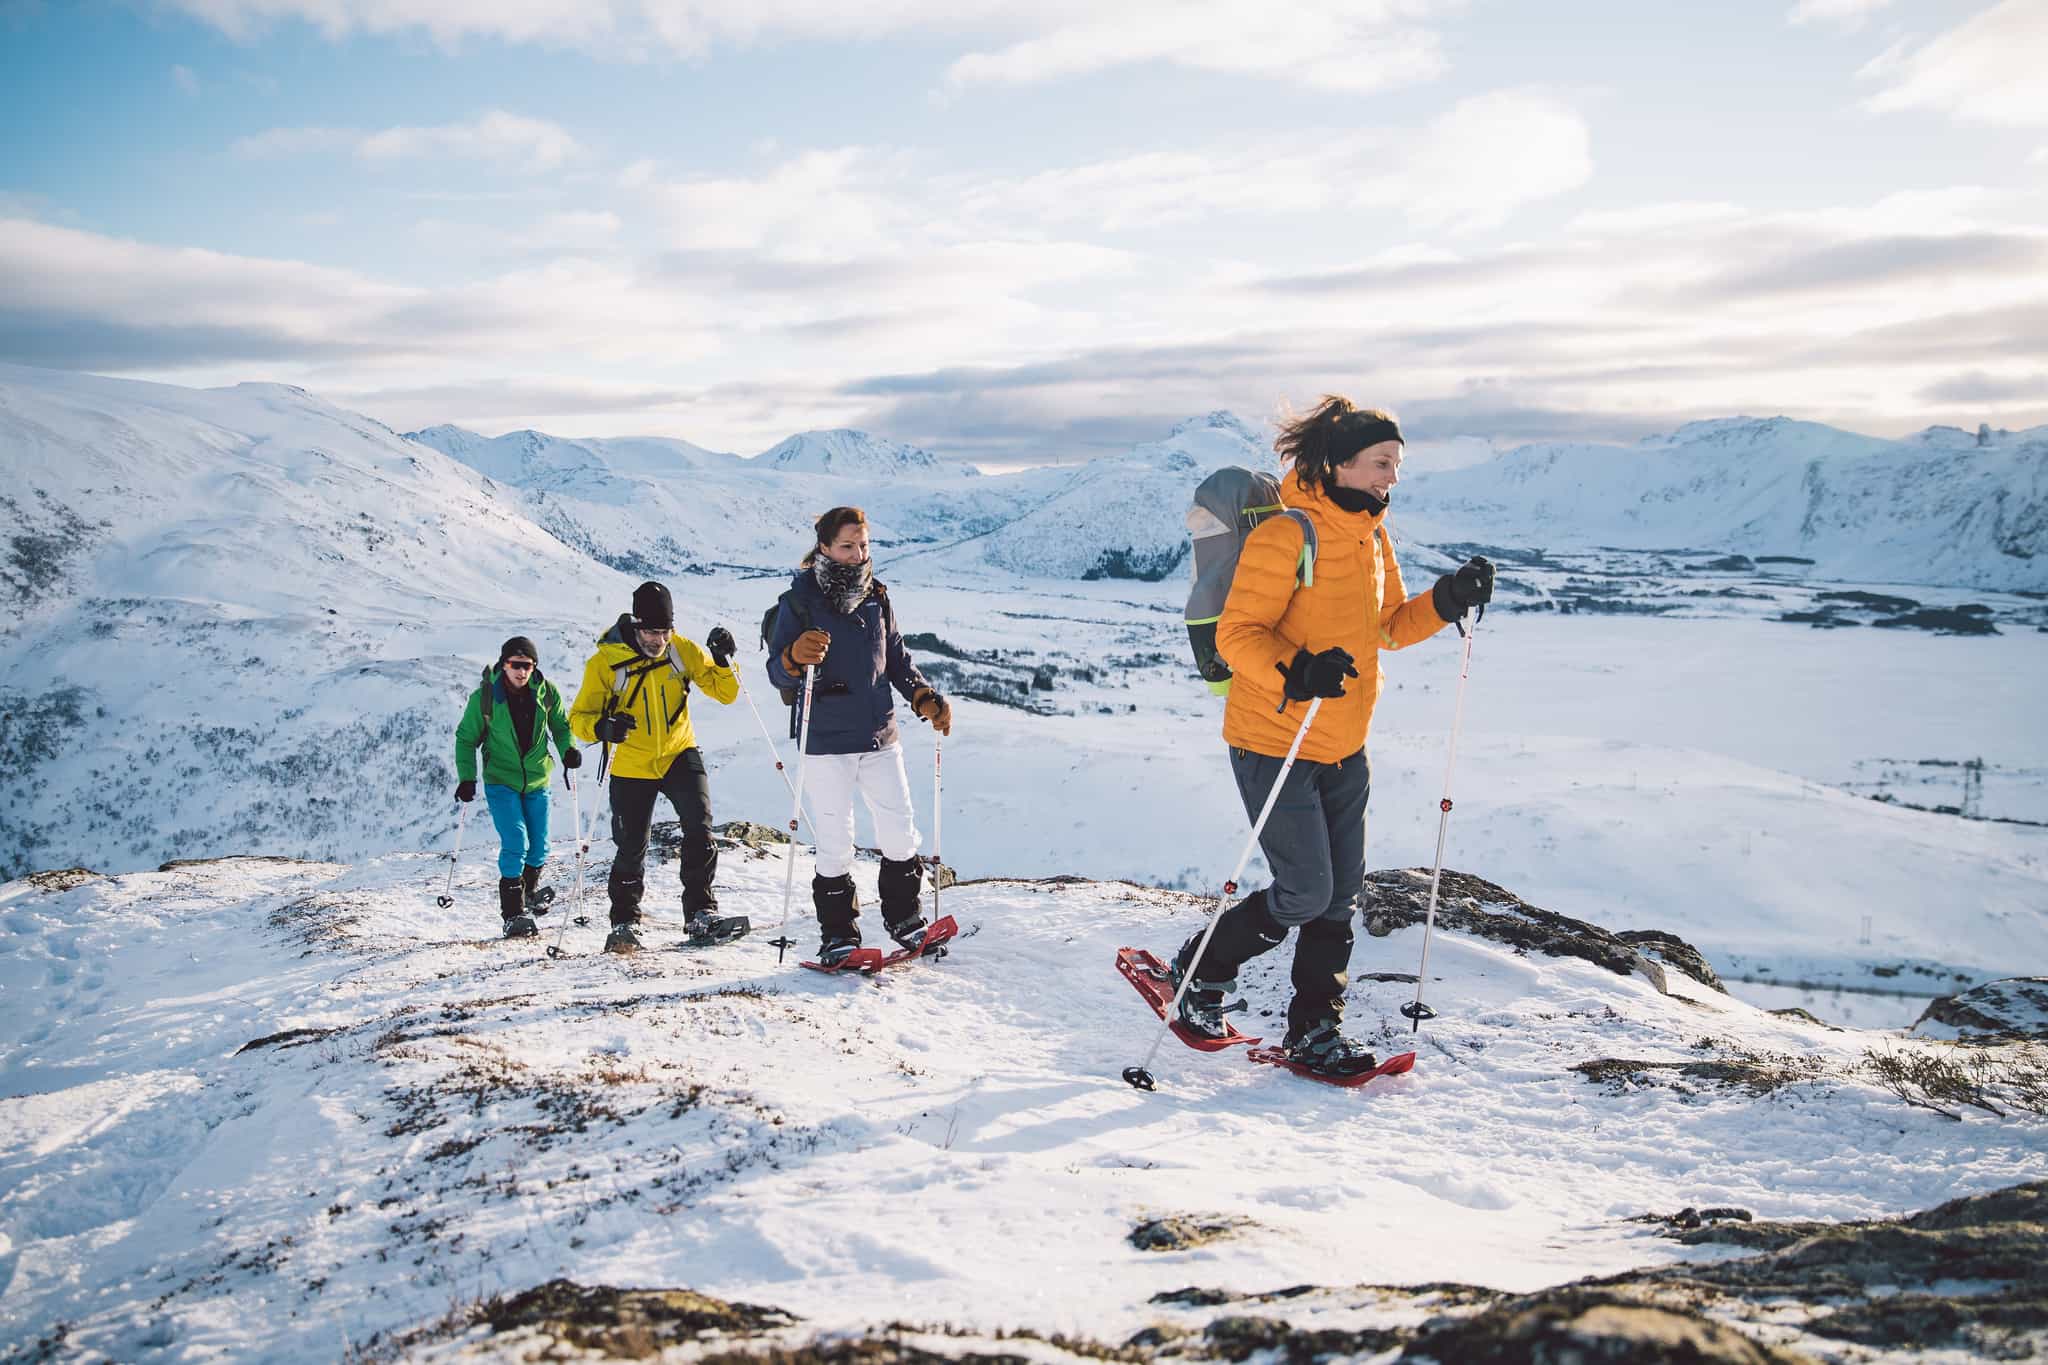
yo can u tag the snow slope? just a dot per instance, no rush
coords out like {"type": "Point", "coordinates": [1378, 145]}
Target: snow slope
{"type": "Point", "coordinates": [261, 608]}
{"type": "Point", "coordinates": [257, 1108]}
{"type": "Point", "coordinates": [1936, 508]}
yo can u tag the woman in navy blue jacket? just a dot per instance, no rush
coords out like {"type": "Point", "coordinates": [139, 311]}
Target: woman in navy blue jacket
{"type": "Point", "coordinates": [836, 618]}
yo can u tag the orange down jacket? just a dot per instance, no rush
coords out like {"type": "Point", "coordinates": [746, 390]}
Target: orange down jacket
{"type": "Point", "coordinates": [1357, 601]}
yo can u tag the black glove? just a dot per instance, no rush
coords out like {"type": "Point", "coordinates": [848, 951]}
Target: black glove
{"type": "Point", "coordinates": [721, 645]}
{"type": "Point", "coordinates": [613, 729]}
{"type": "Point", "coordinates": [1457, 593]}
{"type": "Point", "coordinates": [573, 759]}
{"type": "Point", "coordinates": [466, 791]}
{"type": "Point", "coordinates": [1318, 675]}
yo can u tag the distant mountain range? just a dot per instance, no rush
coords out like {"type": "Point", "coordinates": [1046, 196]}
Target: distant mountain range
{"type": "Point", "coordinates": [1944, 506]}
{"type": "Point", "coordinates": [241, 618]}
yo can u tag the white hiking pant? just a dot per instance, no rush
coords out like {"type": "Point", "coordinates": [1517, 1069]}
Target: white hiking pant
{"type": "Point", "coordinates": [829, 784]}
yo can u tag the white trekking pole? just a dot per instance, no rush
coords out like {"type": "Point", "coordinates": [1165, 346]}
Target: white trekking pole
{"type": "Point", "coordinates": [1138, 1076]}
{"type": "Point", "coordinates": [582, 846]}
{"type": "Point", "coordinates": [782, 941]}
{"type": "Point", "coordinates": [447, 897]}
{"type": "Point", "coordinates": [935, 826]}
{"type": "Point", "coordinates": [780, 770]}
{"type": "Point", "coordinates": [1418, 1011]}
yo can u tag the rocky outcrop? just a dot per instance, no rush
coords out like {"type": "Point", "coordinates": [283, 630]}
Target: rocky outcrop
{"type": "Point", "coordinates": [2012, 1007]}
{"type": "Point", "coordinates": [1399, 897]}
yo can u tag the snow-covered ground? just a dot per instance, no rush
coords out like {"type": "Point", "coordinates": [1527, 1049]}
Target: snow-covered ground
{"type": "Point", "coordinates": [450, 1117]}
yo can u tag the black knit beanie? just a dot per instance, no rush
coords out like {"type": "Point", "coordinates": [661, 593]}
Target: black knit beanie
{"type": "Point", "coordinates": [518, 647]}
{"type": "Point", "coordinates": [652, 606]}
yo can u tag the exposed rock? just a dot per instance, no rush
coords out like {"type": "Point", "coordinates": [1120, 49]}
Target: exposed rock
{"type": "Point", "coordinates": [1590, 1326]}
{"type": "Point", "coordinates": [627, 1324]}
{"type": "Point", "coordinates": [1179, 1233]}
{"type": "Point", "coordinates": [1241, 1338]}
{"type": "Point", "coordinates": [62, 878]}
{"type": "Point", "coordinates": [1674, 951]}
{"type": "Point", "coordinates": [1399, 897]}
{"type": "Point", "coordinates": [2012, 1007]}
{"type": "Point", "coordinates": [742, 833]}
{"type": "Point", "coordinates": [1996, 1243]}
{"type": "Point", "coordinates": [176, 863]}
{"type": "Point", "coordinates": [1688, 1218]}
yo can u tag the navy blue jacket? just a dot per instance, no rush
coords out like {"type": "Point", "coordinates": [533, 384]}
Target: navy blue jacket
{"type": "Point", "coordinates": [852, 712]}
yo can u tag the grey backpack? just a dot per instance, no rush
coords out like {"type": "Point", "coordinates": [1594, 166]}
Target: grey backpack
{"type": "Point", "coordinates": [1227, 506]}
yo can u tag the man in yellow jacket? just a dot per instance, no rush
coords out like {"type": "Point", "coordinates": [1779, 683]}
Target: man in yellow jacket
{"type": "Point", "coordinates": [1288, 642]}
{"type": "Point", "coordinates": [635, 700]}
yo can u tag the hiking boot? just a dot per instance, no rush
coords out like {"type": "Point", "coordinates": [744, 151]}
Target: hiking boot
{"type": "Point", "coordinates": [909, 934]}
{"type": "Point", "coordinates": [537, 896]}
{"type": "Point", "coordinates": [1323, 1049]}
{"type": "Point", "coordinates": [511, 897]}
{"type": "Point", "coordinates": [521, 926]}
{"type": "Point", "coordinates": [622, 939]}
{"type": "Point", "coordinates": [1202, 1004]}
{"type": "Point", "coordinates": [1202, 1008]}
{"type": "Point", "coordinates": [835, 948]}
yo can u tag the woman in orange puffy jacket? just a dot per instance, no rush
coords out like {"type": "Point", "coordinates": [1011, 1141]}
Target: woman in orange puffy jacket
{"type": "Point", "coordinates": [1286, 643]}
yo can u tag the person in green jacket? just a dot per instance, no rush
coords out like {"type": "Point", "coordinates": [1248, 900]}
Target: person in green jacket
{"type": "Point", "coordinates": [511, 717]}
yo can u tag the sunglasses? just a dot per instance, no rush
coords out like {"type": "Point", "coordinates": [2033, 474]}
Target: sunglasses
{"type": "Point", "coordinates": [519, 665]}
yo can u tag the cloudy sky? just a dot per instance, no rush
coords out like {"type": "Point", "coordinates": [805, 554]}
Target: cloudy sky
{"type": "Point", "coordinates": [1018, 232]}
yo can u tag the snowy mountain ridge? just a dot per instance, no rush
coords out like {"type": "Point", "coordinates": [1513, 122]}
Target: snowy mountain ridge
{"type": "Point", "coordinates": [1928, 509]}
{"type": "Point", "coordinates": [857, 455]}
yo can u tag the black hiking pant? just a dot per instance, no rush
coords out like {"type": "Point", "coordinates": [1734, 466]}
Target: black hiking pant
{"type": "Point", "coordinates": [1314, 842]}
{"type": "Point", "coordinates": [688, 789]}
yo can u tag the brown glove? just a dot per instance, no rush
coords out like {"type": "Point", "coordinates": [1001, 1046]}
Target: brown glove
{"type": "Point", "coordinates": [934, 708]}
{"type": "Point", "coordinates": [805, 650]}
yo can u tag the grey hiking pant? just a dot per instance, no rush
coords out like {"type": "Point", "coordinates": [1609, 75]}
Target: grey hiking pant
{"type": "Point", "coordinates": [1314, 840]}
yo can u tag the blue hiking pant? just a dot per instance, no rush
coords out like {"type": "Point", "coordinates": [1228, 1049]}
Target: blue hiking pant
{"type": "Point", "coordinates": [522, 821]}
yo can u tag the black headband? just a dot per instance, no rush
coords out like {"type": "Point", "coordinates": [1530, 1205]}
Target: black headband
{"type": "Point", "coordinates": [1357, 430]}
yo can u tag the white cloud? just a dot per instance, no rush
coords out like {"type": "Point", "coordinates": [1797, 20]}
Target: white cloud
{"type": "Point", "coordinates": [1847, 14]}
{"type": "Point", "coordinates": [533, 144]}
{"type": "Point", "coordinates": [1472, 168]}
{"type": "Point", "coordinates": [1351, 45]}
{"type": "Point", "coordinates": [62, 271]}
{"type": "Point", "coordinates": [831, 204]}
{"type": "Point", "coordinates": [1467, 170]}
{"type": "Point", "coordinates": [185, 79]}
{"type": "Point", "coordinates": [1987, 69]}
{"type": "Point", "coordinates": [536, 143]}
{"type": "Point", "coordinates": [568, 231]}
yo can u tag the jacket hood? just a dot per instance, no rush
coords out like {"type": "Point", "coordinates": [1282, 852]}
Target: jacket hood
{"type": "Point", "coordinates": [617, 645]}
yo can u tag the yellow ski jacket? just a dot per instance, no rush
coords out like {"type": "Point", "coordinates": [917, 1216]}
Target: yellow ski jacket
{"type": "Point", "coordinates": [655, 692]}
